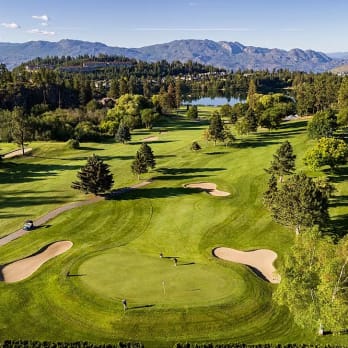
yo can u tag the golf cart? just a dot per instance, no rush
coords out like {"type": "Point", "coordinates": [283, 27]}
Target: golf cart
{"type": "Point", "coordinates": [28, 225]}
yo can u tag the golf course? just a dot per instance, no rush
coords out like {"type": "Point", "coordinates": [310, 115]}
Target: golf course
{"type": "Point", "coordinates": [153, 244]}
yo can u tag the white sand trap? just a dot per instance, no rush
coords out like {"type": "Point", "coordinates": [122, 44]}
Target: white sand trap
{"type": "Point", "coordinates": [22, 269]}
{"type": "Point", "coordinates": [262, 260]}
{"type": "Point", "coordinates": [208, 187]}
{"type": "Point", "coordinates": [150, 139]}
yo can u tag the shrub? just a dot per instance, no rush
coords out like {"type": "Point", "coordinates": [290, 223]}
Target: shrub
{"type": "Point", "coordinates": [73, 144]}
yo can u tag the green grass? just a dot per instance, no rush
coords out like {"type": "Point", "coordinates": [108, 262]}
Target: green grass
{"type": "Point", "coordinates": [117, 244]}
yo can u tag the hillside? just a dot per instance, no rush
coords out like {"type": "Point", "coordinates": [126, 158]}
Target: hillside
{"type": "Point", "coordinates": [341, 70]}
{"type": "Point", "coordinates": [229, 55]}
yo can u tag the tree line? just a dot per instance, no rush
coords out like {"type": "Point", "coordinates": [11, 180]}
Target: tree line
{"type": "Point", "coordinates": [79, 344]}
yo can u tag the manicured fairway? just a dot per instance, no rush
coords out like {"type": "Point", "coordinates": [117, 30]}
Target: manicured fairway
{"type": "Point", "coordinates": [117, 242]}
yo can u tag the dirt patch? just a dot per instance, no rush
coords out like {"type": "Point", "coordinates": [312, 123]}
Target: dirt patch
{"type": "Point", "coordinates": [260, 260]}
{"type": "Point", "coordinates": [22, 269]}
{"type": "Point", "coordinates": [208, 187]}
{"type": "Point", "coordinates": [148, 139]}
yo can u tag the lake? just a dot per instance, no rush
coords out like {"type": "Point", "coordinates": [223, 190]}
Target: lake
{"type": "Point", "coordinates": [217, 101]}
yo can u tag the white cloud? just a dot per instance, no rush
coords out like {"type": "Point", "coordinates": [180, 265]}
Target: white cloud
{"type": "Point", "coordinates": [44, 24]}
{"type": "Point", "coordinates": [43, 18]}
{"type": "Point", "coordinates": [42, 32]}
{"type": "Point", "coordinates": [10, 25]}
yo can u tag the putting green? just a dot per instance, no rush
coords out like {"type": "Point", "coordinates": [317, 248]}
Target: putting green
{"type": "Point", "coordinates": [150, 280]}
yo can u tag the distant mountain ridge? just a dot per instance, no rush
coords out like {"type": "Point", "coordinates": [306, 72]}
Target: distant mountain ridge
{"type": "Point", "coordinates": [229, 55]}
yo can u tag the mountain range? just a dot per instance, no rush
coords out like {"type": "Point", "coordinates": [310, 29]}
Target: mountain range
{"type": "Point", "coordinates": [228, 55]}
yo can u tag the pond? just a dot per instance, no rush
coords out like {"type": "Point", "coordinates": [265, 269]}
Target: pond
{"type": "Point", "coordinates": [213, 101]}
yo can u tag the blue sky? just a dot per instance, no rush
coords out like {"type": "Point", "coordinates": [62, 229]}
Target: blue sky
{"type": "Point", "coordinates": [316, 24]}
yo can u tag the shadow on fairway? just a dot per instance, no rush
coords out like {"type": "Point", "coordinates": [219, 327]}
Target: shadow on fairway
{"type": "Point", "coordinates": [27, 172]}
{"type": "Point", "coordinates": [337, 227]}
{"type": "Point", "coordinates": [75, 275]}
{"type": "Point", "coordinates": [152, 193]}
{"type": "Point", "coordinates": [186, 264]}
{"type": "Point", "coordinates": [179, 177]}
{"type": "Point", "coordinates": [175, 171]}
{"type": "Point", "coordinates": [140, 307]}
{"type": "Point", "coordinates": [1, 275]}
{"type": "Point", "coordinates": [14, 200]}
{"type": "Point", "coordinates": [215, 153]}
{"type": "Point", "coordinates": [258, 273]}
{"type": "Point", "coordinates": [151, 141]}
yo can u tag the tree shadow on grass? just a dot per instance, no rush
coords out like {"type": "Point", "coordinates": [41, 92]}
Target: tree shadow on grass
{"type": "Point", "coordinates": [340, 174]}
{"type": "Point", "coordinates": [152, 142]}
{"type": "Point", "coordinates": [337, 227]}
{"type": "Point", "coordinates": [179, 177]}
{"type": "Point", "coordinates": [152, 193]}
{"type": "Point", "coordinates": [175, 171]}
{"type": "Point", "coordinates": [141, 306]}
{"type": "Point", "coordinates": [16, 201]}
{"type": "Point", "coordinates": [27, 172]}
{"type": "Point", "coordinates": [254, 143]}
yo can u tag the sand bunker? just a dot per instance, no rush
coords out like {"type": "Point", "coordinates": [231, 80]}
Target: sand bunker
{"type": "Point", "coordinates": [150, 139]}
{"type": "Point", "coordinates": [22, 269]}
{"type": "Point", "coordinates": [261, 260]}
{"type": "Point", "coordinates": [208, 187]}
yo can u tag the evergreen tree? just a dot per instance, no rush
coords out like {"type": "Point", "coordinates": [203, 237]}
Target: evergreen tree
{"type": "Point", "coordinates": [251, 97]}
{"type": "Point", "coordinates": [147, 153]}
{"type": "Point", "coordinates": [195, 146]}
{"type": "Point", "coordinates": [123, 134]}
{"type": "Point", "coordinates": [216, 128]}
{"type": "Point", "coordinates": [297, 202]}
{"type": "Point", "coordinates": [283, 161]}
{"type": "Point", "coordinates": [251, 119]}
{"type": "Point", "coordinates": [139, 165]}
{"type": "Point", "coordinates": [94, 177]}
{"type": "Point", "coordinates": [192, 112]}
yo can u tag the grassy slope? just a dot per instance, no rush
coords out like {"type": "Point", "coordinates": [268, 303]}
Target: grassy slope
{"type": "Point", "coordinates": [160, 217]}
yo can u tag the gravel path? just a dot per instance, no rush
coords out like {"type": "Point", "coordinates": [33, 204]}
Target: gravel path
{"type": "Point", "coordinates": [52, 214]}
{"type": "Point", "coordinates": [17, 153]}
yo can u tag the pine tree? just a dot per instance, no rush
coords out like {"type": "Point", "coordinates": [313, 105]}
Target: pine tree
{"type": "Point", "coordinates": [147, 153]}
{"type": "Point", "coordinates": [94, 177]}
{"type": "Point", "coordinates": [216, 128]}
{"type": "Point", "coordinates": [251, 97]}
{"type": "Point", "coordinates": [195, 146]}
{"type": "Point", "coordinates": [283, 161]}
{"type": "Point", "coordinates": [270, 195]}
{"type": "Point", "coordinates": [123, 134]}
{"type": "Point", "coordinates": [297, 202]}
{"type": "Point", "coordinates": [139, 165]}
{"type": "Point", "coordinates": [251, 119]}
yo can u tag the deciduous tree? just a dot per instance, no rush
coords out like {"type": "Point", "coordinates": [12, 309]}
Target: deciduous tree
{"type": "Point", "coordinates": [327, 151]}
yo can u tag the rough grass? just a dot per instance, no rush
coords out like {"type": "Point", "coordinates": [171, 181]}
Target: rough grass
{"type": "Point", "coordinates": [117, 243]}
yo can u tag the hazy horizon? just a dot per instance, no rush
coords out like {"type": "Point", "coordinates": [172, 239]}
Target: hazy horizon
{"type": "Point", "coordinates": [306, 24]}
